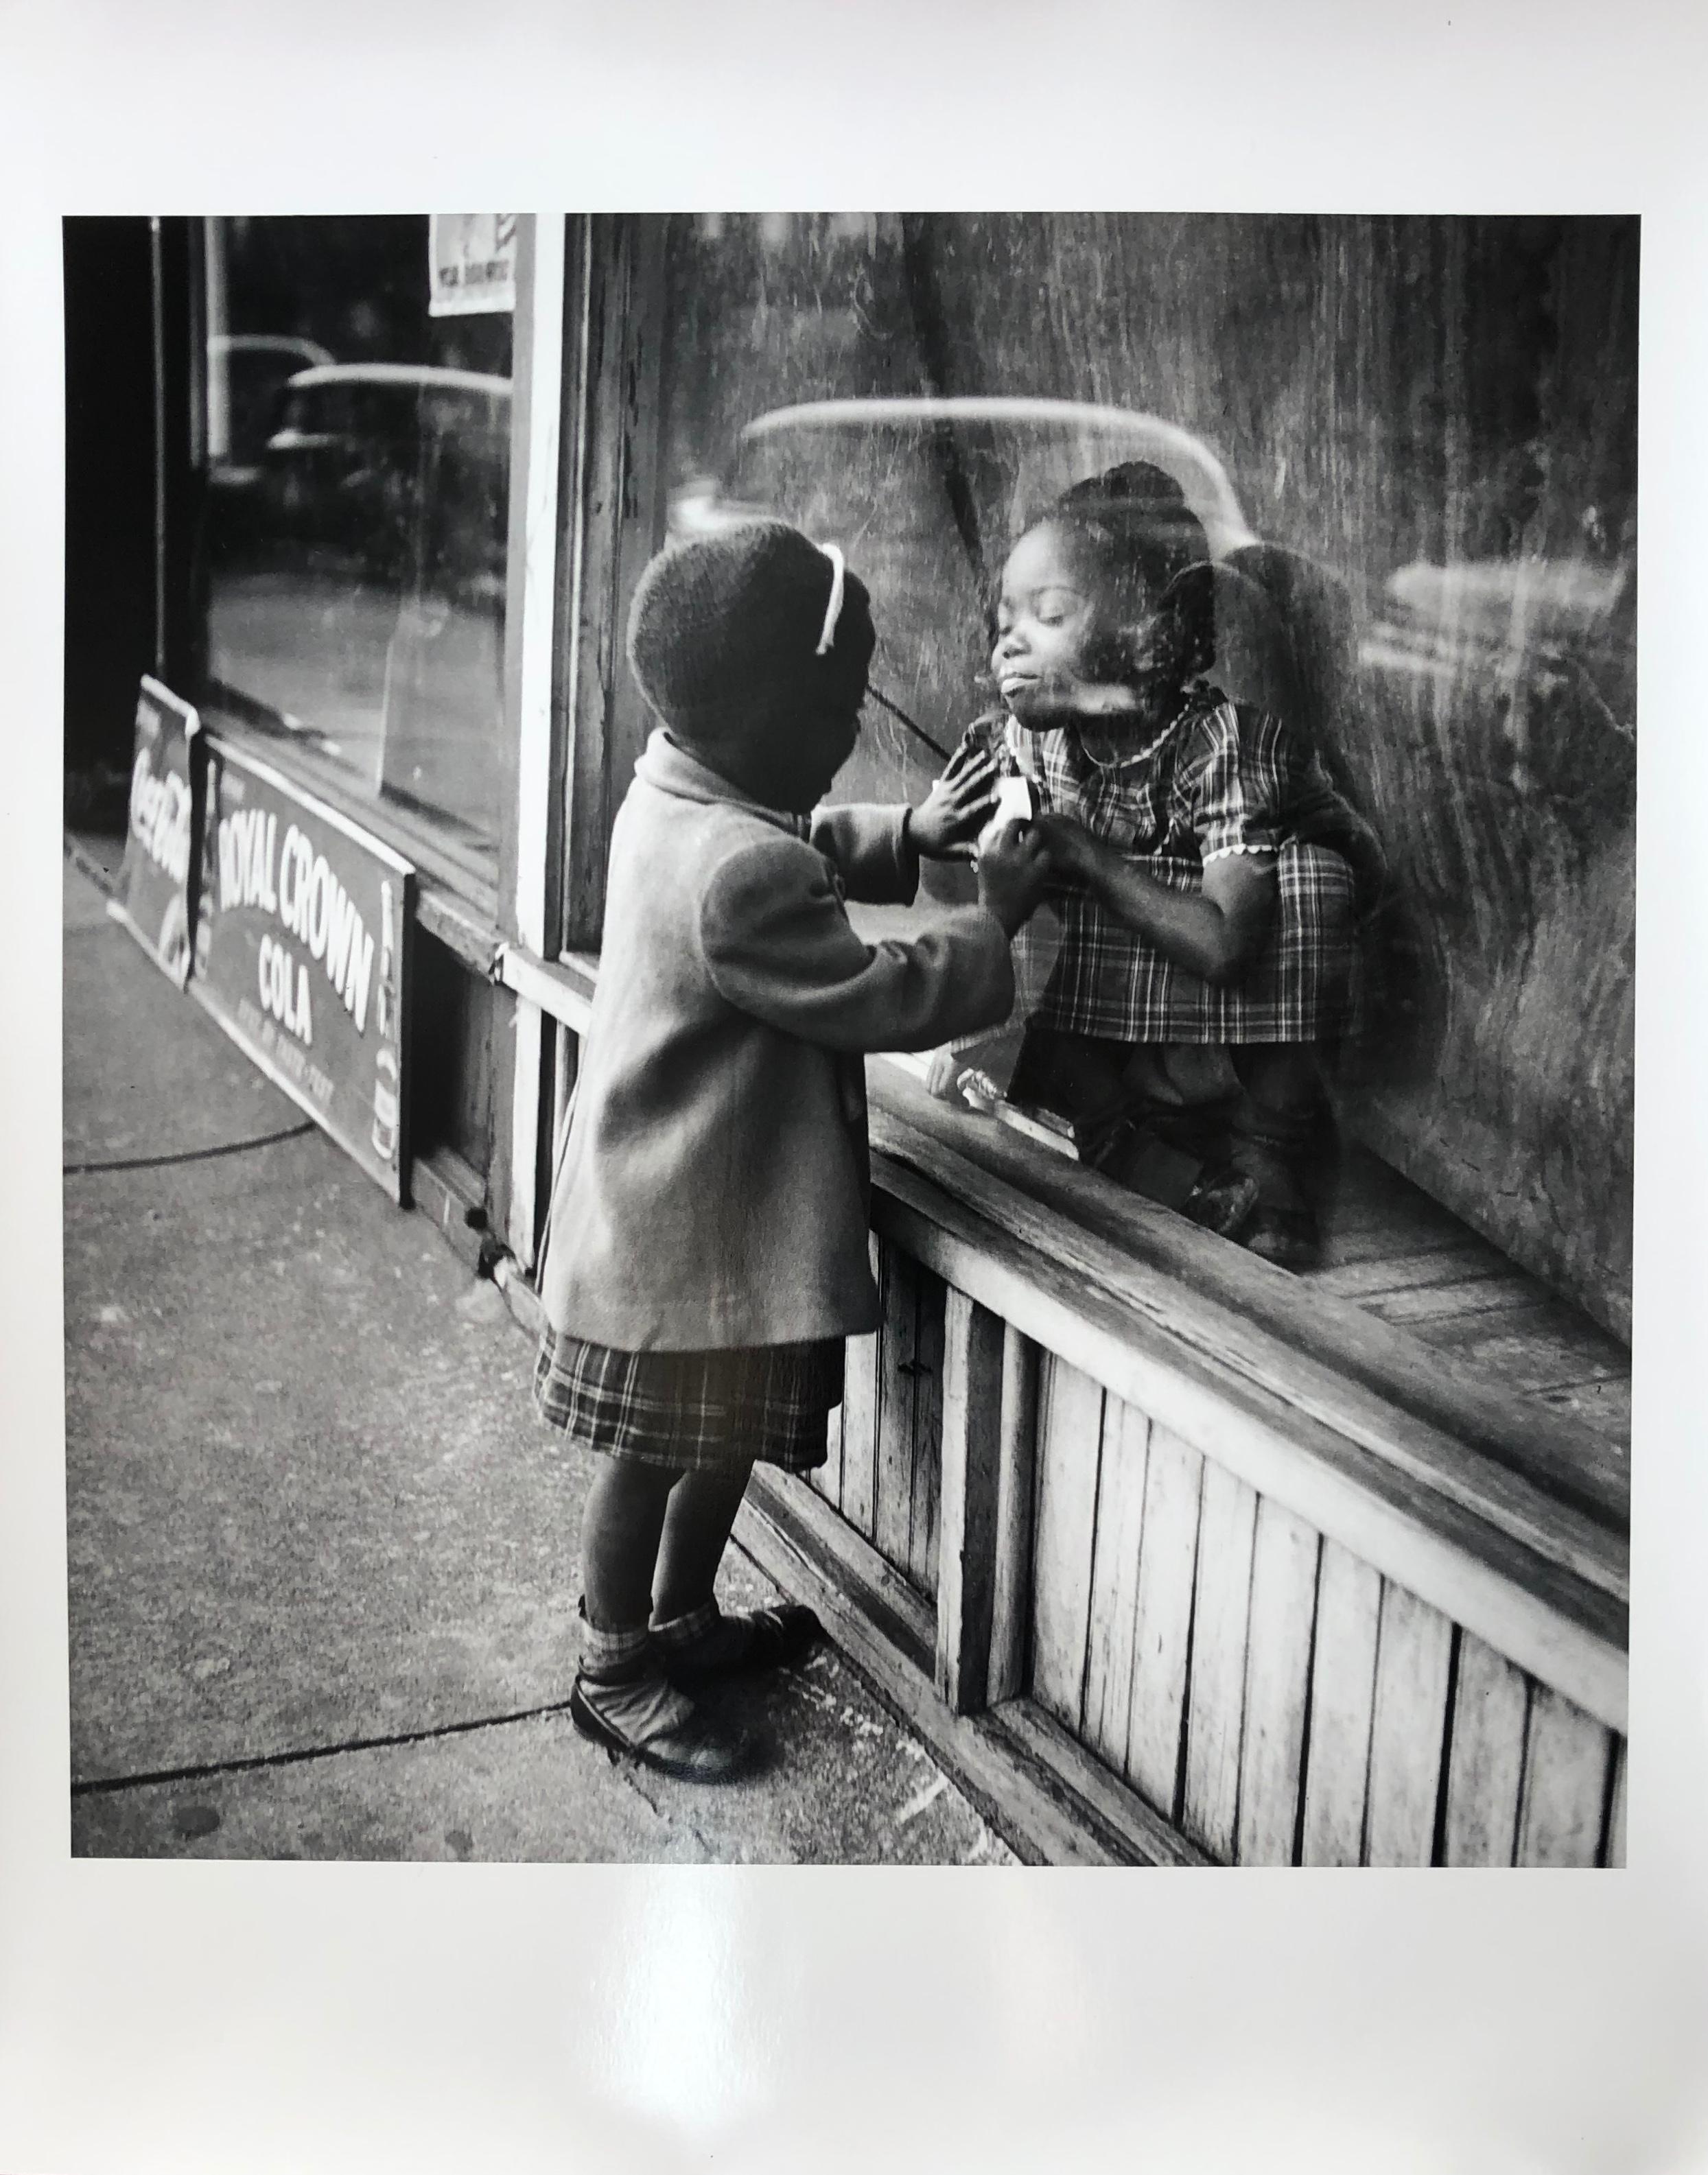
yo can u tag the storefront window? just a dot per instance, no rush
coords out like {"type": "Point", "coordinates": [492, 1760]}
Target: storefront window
{"type": "Point", "coordinates": [358, 476]}
{"type": "Point", "coordinates": [1411, 446]}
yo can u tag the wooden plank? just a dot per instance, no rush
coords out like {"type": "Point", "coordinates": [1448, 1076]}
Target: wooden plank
{"type": "Point", "coordinates": [1568, 1631]}
{"type": "Point", "coordinates": [859, 1425]}
{"type": "Point", "coordinates": [1427, 1309]}
{"type": "Point", "coordinates": [928, 1432]}
{"type": "Point", "coordinates": [1565, 1783]}
{"type": "Point", "coordinates": [1168, 1559]}
{"type": "Point", "coordinates": [1332, 1359]}
{"type": "Point", "coordinates": [1413, 1657]}
{"type": "Point", "coordinates": [1604, 1405]}
{"type": "Point", "coordinates": [827, 1478]}
{"type": "Point", "coordinates": [1114, 1580]}
{"type": "Point", "coordinates": [972, 1459]}
{"type": "Point", "coordinates": [1069, 1437]}
{"type": "Point", "coordinates": [1364, 1280]}
{"type": "Point", "coordinates": [892, 1507]}
{"type": "Point", "coordinates": [1035, 1811]}
{"type": "Point", "coordinates": [1147, 1837]}
{"type": "Point", "coordinates": [1485, 1756]}
{"type": "Point", "coordinates": [898, 1613]}
{"type": "Point", "coordinates": [1616, 1818]}
{"type": "Point", "coordinates": [1278, 1666]}
{"type": "Point", "coordinates": [1343, 1699]}
{"type": "Point", "coordinates": [1535, 1347]}
{"type": "Point", "coordinates": [1011, 1606]}
{"type": "Point", "coordinates": [1216, 1709]}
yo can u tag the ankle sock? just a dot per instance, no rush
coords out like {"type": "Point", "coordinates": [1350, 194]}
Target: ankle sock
{"type": "Point", "coordinates": [613, 1657]}
{"type": "Point", "coordinates": [702, 1635]}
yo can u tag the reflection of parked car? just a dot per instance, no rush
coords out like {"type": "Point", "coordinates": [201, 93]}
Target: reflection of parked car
{"type": "Point", "coordinates": [247, 372]}
{"type": "Point", "coordinates": [401, 468]}
{"type": "Point", "coordinates": [927, 495]}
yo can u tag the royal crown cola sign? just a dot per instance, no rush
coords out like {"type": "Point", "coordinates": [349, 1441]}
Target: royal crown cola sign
{"type": "Point", "coordinates": [302, 940]}
{"type": "Point", "coordinates": [155, 898]}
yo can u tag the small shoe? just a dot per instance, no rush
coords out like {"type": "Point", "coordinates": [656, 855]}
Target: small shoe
{"type": "Point", "coordinates": [1288, 1237]}
{"type": "Point", "coordinates": [739, 1643]}
{"type": "Point", "coordinates": [649, 1720]}
{"type": "Point", "coordinates": [1222, 1203]}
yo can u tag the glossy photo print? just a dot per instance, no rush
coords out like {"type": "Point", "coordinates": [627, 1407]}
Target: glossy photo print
{"type": "Point", "coordinates": [890, 1118]}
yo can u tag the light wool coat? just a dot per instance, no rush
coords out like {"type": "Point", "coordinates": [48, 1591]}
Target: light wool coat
{"type": "Point", "coordinates": [713, 1189]}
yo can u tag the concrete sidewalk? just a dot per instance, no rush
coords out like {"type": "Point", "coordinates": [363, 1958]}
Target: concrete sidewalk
{"type": "Point", "coordinates": [322, 1555]}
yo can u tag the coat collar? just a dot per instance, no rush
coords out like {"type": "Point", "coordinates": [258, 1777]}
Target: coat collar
{"type": "Point", "coordinates": [669, 767]}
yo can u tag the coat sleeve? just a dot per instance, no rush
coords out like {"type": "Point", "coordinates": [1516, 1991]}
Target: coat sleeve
{"type": "Point", "coordinates": [870, 850]}
{"type": "Point", "coordinates": [779, 946]}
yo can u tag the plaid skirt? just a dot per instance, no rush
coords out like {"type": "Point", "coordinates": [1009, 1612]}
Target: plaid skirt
{"type": "Point", "coordinates": [693, 1412]}
{"type": "Point", "coordinates": [1109, 983]}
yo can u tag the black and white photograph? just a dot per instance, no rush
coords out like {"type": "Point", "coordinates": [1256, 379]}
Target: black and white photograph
{"type": "Point", "coordinates": [975, 875]}
{"type": "Point", "coordinates": [876, 1051]}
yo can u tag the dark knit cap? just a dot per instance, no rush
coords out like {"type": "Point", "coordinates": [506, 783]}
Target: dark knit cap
{"type": "Point", "coordinates": [728, 623]}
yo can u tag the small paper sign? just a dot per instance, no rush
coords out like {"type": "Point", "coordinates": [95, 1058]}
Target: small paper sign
{"type": "Point", "coordinates": [471, 263]}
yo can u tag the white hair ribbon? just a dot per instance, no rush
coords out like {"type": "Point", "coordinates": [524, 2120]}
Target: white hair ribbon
{"type": "Point", "coordinates": [832, 611]}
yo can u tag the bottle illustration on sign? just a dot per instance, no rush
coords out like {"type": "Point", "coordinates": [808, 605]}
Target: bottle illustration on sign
{"type": "Point", "coordinates": [386, 1071]}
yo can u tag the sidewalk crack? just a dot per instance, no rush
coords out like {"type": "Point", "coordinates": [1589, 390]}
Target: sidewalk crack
{"type": "Point", "coordinates": [107, 1785]}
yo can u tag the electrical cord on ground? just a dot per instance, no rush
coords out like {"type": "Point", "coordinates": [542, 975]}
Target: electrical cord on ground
{"type": "Point", "coordinates": [188, 1155]}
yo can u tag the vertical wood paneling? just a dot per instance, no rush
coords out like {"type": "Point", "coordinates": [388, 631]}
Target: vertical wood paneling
{"type": "Point", "coordinates": [1114, 1580]}
{"type": "Point", "coordinates": [892, 1509]}
{"type": "Point", "coordinates": [1343, 1681]}
{"type": "Point", "coordinates": [1069, 1433]}
{"type": "Point", "coordinates": [1167, 1560]}
{"type": "Point", "coordinates": [1414, 1648]}
{"type": "Point", "coordinates": [1565, 1781]}
{"type": "Point", "coordinates": [1616, 1823]}
{"type": "Point", "coordinates": [827, 1480]}
{"type": "Point", "coordinates": [1485, 1758]}
{"type": "Point", "coordinates": [971, 1470]}
{"type": "Point", "coordinates": [925, 1477]}
{"type": "Point", "coordinates": [1016, 1493]}
{"type": "Point", "coordinates": [860, 1422]}
{"type": "Point", "coordinates": [1283, 1602]}
{"type": "Point", "coordinates": [1227, 1526]}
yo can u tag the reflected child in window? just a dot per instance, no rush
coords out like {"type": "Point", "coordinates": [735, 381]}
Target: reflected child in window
{"type": "Point", "coordinates": [1208, 878]}
{"type": "Point", "coordinates": [708, 1227]}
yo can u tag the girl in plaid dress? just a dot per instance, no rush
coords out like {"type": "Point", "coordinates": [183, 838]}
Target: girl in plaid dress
{"type": "Point", "coordinates": [1209, 878]}
{"type": "Point", "coordinates": [708, 1249]}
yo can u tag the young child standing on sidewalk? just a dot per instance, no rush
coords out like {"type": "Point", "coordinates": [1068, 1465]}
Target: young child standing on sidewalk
{"type": "Point", "coordinates": [708, 1252]}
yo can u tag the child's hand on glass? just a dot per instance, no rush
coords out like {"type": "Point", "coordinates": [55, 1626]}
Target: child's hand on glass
{"type": "Point", "coordinates": [1013, 869]}
{"type": "Point", "coordinates": [950, 816]}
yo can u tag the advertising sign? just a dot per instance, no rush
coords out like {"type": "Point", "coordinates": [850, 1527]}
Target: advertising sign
{"type": "Point", "coordinates": [471, 263]}
{"type": "Point", "coordinates": [300, 954]}
{"type": "Point", "coordinates": [154, 897]}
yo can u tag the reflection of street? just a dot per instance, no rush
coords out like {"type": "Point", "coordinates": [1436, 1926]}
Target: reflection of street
{"type": "Point", "coordinates": [405, 693]}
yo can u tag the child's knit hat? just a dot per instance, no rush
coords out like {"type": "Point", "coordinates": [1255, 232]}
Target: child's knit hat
{"type": "Point", "coordinates": [728, 622]}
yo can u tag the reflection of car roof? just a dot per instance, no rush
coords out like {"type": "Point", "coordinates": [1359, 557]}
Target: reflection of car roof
{"type": "Point", "coordinates": [1501, 598]}
{"type": "Point", "coordinates": [422, 376]}
{"type": "Point", "coordinates": [307, 350]}
{"type": "Point", "coordinates": [1171, 446]}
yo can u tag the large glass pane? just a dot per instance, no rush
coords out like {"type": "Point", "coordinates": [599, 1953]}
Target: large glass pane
{"type": "Point", "coordinates": [1411, 444]}
{"type": "Point", "coordinates": [358, 487]}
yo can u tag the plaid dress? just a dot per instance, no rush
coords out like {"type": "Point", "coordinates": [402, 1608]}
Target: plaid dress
{"type": "Point", "coordinates": [693, 1412]}
{"type": "Point", "coordinates": [1221, 778]}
